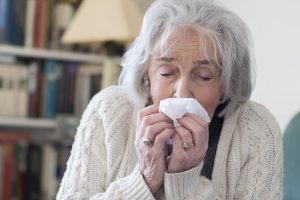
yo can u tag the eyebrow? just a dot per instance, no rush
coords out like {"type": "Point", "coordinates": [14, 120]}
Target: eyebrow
{"type": "Point", "coordinates": [206, 62]}
{"type": "Point", "coordinates": [198, 62]}
{"type": "Point", "coordinates": [166, 59]}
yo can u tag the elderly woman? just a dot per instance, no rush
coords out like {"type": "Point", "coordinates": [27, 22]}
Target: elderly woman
{"type": "Point", "coordinates": [185, 49]}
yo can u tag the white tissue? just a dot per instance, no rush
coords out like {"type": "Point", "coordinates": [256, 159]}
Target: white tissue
{"type": "Point", "coordinates": [176, 108]}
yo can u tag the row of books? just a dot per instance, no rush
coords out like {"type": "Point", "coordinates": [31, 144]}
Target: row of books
{"type": "Point", "coordinates": [46, 88]}
{"type": "Point", "coordinates": [35, 23]}
{"type": "Point", "coordinates": [30, 170]}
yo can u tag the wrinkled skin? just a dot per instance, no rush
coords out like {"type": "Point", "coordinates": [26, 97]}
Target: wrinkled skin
{"type": "Point", "coordinates": [182, 71]}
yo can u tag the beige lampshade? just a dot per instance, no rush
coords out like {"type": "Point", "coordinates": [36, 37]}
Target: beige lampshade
{"type": "Point", "coordinates": [103, 20]}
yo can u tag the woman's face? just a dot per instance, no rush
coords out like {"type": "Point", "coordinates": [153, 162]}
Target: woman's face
{"type": "Point", "coordinates": [185, 71]}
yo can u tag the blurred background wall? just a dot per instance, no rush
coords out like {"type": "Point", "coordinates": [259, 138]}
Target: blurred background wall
{"type": "Point", "coordinates": [276, 29]}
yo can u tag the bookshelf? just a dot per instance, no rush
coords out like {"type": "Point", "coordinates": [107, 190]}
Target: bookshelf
{"type": "Point", "coordinates": [39, 140]}
{"type": "Point", "coordinates": [19, 51]}
{"type": "Point", "coordinates": [28, 123]}
{"type": "Point", "coordinates": [38, 119]}
{"type": "Point", "coordinates": [56, 77]}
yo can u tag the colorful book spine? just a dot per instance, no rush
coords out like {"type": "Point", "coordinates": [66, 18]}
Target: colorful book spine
{"type": "Point", "coordinates": [34, 167]}
{"type": "Point", "coordinates": [14, 22]}
{"type": "Point", "coordinates": [51, 74]}
{"type": "Point", "coordinates": [10, 180]}
{"type": "Point", "coordinates": [37, 23]}
{"type": "Point", "coordinates": [33, 84]}
{"type": "Point", "coordinates": [3, 19]}
{"type": "Point", "coordinates": [29, 23]}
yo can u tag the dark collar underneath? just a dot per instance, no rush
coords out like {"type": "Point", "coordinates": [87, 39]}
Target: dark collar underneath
{"type": "Point", "coordinates": [215, 128]}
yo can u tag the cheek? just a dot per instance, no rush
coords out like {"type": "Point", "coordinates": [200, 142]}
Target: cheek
{"type": "Point", "coordinates": [210, 99]}
{"type": "Point", "coordinates": [211, 107]}
{"type": "Point", "coordinates": [157, 91]}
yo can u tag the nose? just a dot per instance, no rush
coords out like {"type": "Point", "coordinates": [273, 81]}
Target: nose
{"type": "Point", "coordinates": [183, 88]}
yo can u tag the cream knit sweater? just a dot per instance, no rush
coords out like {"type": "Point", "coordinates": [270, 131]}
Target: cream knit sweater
{"type": "Point", "coordinates": [102, 165]}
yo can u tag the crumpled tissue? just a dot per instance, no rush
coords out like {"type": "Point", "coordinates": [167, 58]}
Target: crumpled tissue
{"type": "Point", "coordinates": [176, 108]}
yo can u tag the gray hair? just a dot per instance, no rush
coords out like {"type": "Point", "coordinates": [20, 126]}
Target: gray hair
{"type": "Point", "coordinates": [225, 30]}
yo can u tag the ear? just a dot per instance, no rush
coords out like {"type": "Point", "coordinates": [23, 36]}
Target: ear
{"type": "Point", "coordinates": [146, 83]}
{"type": "Point", "coordinates": [145, 80]}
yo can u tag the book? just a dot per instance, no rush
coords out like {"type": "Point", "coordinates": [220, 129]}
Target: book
{"type": "Point", "coordinates": [7, 104]}
{"type": "Point", "coordinates": [7, 166]}
{"type": "Point", "coordinates": [51, 17]}
{"type": "Point", "coordinates": [14, 78]}
{"type": "Point", "coordinates": [17, 22]}
{"type": "Point", "coordinates": [41, 91]}
{"type": "Point", "coordinates": [33, 84]}
{"type": "Point", "coordinates": [22, 91]}
{"type": "Point", "coordinates": [34, 168]}
{"type": "Point", "coordinates": [8, 141]}
{"type": "Point", "coordinates": [66, 87]}
{"type": "Point", "coordinates": [14, 22]}
{"type": "Point", "coordinates": [51, 70]}
{"type": "Point", "coordinates": [88, 83]}
{"type": "Point", "coordinates": [60, 88]}
{"type": "Point", "coordinates": [49, 165]}
{"type": "Point", "coordinates": [2, 158]}
{"type": "Point", "coordinates": [29, 23]}
{"type": "Point", "coordinates": [22, 168]}
{"type": "Point", "coordinates": [2, 90]}
{"type": "Point", "coordinates": [44, 24]}
{"type": "Point", "coordinates": [38, 24]}
{"type": "Point", "coordinates": [71, 73]}
{"type": "Point", "coordinates": [3, 19]}
{"type": "Point", "coordinates": [19, 170]}
{"type": "Point", "coordinates": [14, 90]}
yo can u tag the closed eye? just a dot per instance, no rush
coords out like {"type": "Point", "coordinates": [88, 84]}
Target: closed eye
{"type": "Point", "coordinates": [205, 78]}
{"type": "Point", "coordinates": [167, 70]}
{"type": "Point", "coordinates": [165, 74]}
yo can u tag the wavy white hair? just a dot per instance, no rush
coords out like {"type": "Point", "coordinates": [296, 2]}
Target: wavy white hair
{"type": "Point", "coordinates": [216, 25]}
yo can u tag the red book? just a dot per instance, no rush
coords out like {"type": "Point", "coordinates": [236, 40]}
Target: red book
{"type": "Point", "coordinates": [7, 175]}
{"type": "Point", "coordinates": [37, 23]}
{"type": "Point", "coordinates": [8, 140]}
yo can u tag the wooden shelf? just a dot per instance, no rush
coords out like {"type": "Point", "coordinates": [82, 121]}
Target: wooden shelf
{"type": "Point", "coordinates": [50, 54]}
{"type": "Point", "coordinates": [8, 122]}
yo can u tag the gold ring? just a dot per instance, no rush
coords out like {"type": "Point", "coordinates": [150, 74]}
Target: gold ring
{"type": "Point", "coordinates": [147, 142]}
{"type": "Point", "coordinates": [187, 146]}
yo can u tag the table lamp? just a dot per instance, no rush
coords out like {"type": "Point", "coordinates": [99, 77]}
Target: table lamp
{"type": "Point", "coordinates": [100, 21]}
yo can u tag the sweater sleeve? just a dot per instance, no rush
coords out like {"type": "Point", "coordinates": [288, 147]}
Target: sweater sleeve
{"type": "Point", "coordinates": [261, 155]}
{"type": "Point", "coordinates": [189, 185]}
{"type": "Point", "coordinates": [92, 163]}
{"type": "Point", "coordinates": [255, 156]}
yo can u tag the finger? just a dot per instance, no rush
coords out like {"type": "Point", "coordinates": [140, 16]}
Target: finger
{"type": "Point", "coordinates": [162, 137]}
{"type": "Point", "coordinates": [152, 131]}
{"type": "Point", "coordinates": [199, 131]}
{"type": "Point", "coordinates": [147, 111]}
{"type": "Point", "coordinates": [150, 120]}
{"type": "Point", "coordinates": [177, 145]}
{"type": "Point", "coordinates": [154, 118]}
{"type": "Point", "coordinates": [153, 124]}
{"type": "Point", "coordinates": [197, 119]}
{"type": "Point", "coordinates": [185, 135]}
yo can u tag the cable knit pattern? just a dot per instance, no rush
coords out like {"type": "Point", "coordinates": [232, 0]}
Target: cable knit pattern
{"type": "Point", "coordinates": [102, 165]}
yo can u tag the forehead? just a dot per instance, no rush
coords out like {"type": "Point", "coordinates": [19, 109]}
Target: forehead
{"type": "Point", "coordinates": [187, 42]}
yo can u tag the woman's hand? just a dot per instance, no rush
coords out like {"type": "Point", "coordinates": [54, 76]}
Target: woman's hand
{"type": "Point", "coordinates": [153, 130]}
{"type": "Point", "coordinates": [190, 144]}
